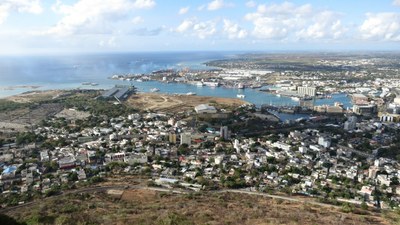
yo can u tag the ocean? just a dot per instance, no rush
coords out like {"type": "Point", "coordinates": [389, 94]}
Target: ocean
{"type": "Point", "coordinates": [70, 71]}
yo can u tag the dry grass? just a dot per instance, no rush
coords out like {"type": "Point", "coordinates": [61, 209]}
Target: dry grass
{"type": "Point", "coordinates": [177, 103]}
{"type": "Point", "coordinates": [149, 207]}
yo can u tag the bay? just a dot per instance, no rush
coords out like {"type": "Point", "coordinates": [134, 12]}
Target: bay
{"type": "Point", "coordinates": [70, 71]}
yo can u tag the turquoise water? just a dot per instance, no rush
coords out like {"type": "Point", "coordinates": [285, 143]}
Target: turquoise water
{"type": "Point", "coordinates": [251, 95]}
{"type": "Point", "coordinates": [70, 71]}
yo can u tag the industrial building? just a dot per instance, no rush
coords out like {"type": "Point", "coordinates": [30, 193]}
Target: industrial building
{"type": "Point", "coordinates": [366, 110]}
{"type": "Point", "coordinates": [204, 108]}
{"type": "Point", "coordinates": [119, 92]}
{"type": "Point", "coordinates": [359, 98]}
{"type": "Point", "coordinates": [307, 91]}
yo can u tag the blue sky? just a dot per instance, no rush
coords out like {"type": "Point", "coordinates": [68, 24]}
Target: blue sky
{"type": "Point", "coordinates": [63, 26]}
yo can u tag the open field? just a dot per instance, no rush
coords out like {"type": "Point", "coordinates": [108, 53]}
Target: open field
{"type": "Point", "coordinates": [35, 96]}
{"type": "Point", "coordinates": [150, 207]}
{"type": "Point", "coordinates": [177, 103]}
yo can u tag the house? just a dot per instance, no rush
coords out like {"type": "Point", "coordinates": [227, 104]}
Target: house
{"type": "Point", "coordinates": [135, 158]}
{"type": "Point", "coordinates": [81, 174]}
{"type": "Point", "coordinates": [8, 172]}
{"type": "Point", "coordinates": [44, 156]}
{"type": "Point", "coordinates": [114, 157]}
{"type": "Point", "coordinates": [281, 145]}
{"type": "Point", "coordinates": [366, 191]}
{"type": "Point", "coordinates": [66, 162]}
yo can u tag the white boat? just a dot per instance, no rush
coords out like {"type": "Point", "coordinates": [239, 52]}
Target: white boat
{"type": "Point", "coordinates": [240, 86]}
{"type": "Point", "coordinates": [90, 84]}
{"type": "Point", "coordinates": [199, 84]}
{"type": "Point", "coordinates": [190, 93]}
{"type": "Point", "coordinates": [211, 84]}
{"type": "Point", "coordinates": [154, 90]}
{"type": "Point", "coordinates": [278, 95]}
{"type": "Point", "coordinates": [139, 80]}
{"type": "Point", "coordinates": [240, 96]}
{"type": "Point", "coordinates": [295, 99]}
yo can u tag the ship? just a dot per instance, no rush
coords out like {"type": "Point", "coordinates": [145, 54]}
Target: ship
{"type": "Point", "coordinates": [211, 84]}
{"type": "Point", "coordinates": [295, 98]}
{"type": "Point", "coordinates": [199, 84]}
{"type": "Point", "coordinates": [90, 84]}
{"type": "Point", "coordinates": [254, 86]}
{"type": "Point", "coordinates": [190, 93]}
{"type": "Point", "coordinates": [154, 90]}
{"type": "Point", "coordinates": [240, 86]}
{"type": "Point", "coordinates": [240, 96]}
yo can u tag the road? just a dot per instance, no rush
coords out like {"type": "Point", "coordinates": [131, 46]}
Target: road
{"type": "Point", "coordinates": [285, 198]}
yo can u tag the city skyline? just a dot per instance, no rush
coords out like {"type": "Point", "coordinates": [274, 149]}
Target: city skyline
{"type": "Point", "coordinates": [70, 26]}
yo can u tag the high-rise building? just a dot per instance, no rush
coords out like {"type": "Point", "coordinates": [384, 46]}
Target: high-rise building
{"type": "Point", "coordinates": [351, 123]}
{"type": "Point", "coordinates": [224, 133]}
{"type": "Point", "coordinates": [186, 138]}
{"type": "Point", "coordinates": [324, 141]}
{"type": "Point", "coordinates": [172, 137]}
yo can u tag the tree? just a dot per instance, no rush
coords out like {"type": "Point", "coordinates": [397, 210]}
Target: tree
{"type": "Point", "coordinates": [183, 149]}
{"type": "Point", "coordinates": [6, 220]}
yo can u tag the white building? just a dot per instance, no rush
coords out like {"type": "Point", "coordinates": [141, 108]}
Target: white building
{"type": "Point", "coordinates": [224, 133]}
{"type": "Point", "coordinates": [186, 138]}
{"type": "Point", "coordinates": [324, 141]}
{"type": "Point", "coordinates": [309, 91]}
{"type": "Point", "coordinates": [351, 123]}
{"type": "Point", "coordinates": [44, 156]}
{"type": "Point", "coordinates": [281, 145]}
{"type": "Point", "coordinates": [205, 108]}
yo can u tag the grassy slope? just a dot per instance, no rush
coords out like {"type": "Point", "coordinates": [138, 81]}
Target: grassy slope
{"type": "Point", "coordinates": [148, 207]}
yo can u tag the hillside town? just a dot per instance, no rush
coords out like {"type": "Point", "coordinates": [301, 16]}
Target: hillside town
{"type": "Point", "coordinates": [346, 157]}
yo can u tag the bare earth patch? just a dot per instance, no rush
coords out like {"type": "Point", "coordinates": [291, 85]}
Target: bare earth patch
{"type": "Point", "coordinates": [177, 103]}
{"type": "Point", "coordinates": [149, 207]}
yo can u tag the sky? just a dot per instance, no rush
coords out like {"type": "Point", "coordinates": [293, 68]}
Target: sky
{"type": "Point", "coordinates": [70, 26]}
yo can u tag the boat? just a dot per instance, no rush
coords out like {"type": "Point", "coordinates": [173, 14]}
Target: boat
{"type": "Point", "coordinates": [154, 90]}
{"type": "Point", "coordinates": [278, 95]}
{"type": "Point", "coordinates": [295, 98]}
{"type": "Point", "coordinates": [240, 86]}
{"type": "Point", "coordinates": [199, 84]}
{"type": "Point", "coordinates": [254, 86]}
{"type": "Point", "coordinates": [190, 93]}
{"type": "Point", "coordinates": [90, 84]}
{"type": "Point", "coordinates": [211, 84]}
{"type": "Point", "coordinates": [240, 96]}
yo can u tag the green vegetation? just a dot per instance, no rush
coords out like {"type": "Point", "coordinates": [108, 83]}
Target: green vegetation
{"type": "Point", "coordinates": [6, 105]}
{"type": "Point", "coordinates": [96, 106]}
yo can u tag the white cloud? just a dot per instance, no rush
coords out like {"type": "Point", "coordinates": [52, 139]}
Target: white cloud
{"type": "Point", "coordinates": [233, 30]}
{"type": "Point", "coordinates": [396, 2]}
{"type": "Point", "coordinates": [19, 6]}
{"type": "Point", "coordinates": [137, 20]}
{"type": "Point", "coordinates": [288, 21]}
{"type": "Point", "coordinates": [144, 4]}
{"type": "Point", "coordinates": [200, 29]}
{"type": "Point", "coordinates": [95, 16]}
{"type": "Point", "coordinates": [218, 4]}
{"type": "Point", "coordinates": [325, 26]}
{"type": "Point", "coordinates": [183, 10]}
{"type": "Point", "coordinates": [381, 27]}
{"type": "Point", "coordinates": [111, 42]}
{"type": "Point", "coordinates": [185, 26]}
{"type": "Point", "coordinates": [205, 29]}
{"type": "Point", "coordinates": [251, 4]}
